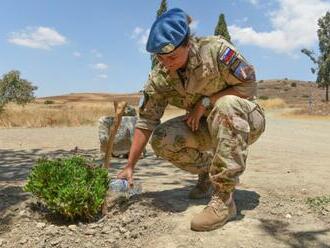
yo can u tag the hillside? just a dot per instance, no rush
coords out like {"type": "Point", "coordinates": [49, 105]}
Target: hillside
{"type": "Point", "coordinates": [307, 97]}
{"type": "Point", "coordinates": [296, 94]}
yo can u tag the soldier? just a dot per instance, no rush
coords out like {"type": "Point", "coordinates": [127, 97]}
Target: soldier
{"type": "Point", "coordinates": [210, 79]}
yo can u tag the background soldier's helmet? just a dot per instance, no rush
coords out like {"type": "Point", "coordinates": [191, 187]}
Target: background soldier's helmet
{"type": "Point", "coordinates": [129, 111]}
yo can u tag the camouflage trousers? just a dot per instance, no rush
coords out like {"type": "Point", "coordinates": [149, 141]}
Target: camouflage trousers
{"type": "Point", "coordinates": [219, 147]}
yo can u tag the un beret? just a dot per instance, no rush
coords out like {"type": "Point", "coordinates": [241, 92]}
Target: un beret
{"type": "Point", "coordinates": [168, 31]}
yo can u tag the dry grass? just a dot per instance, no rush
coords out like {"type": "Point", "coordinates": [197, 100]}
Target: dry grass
{"type": "Point", "coordinates": [274, 103]}
{"type": "Point", "coordinates": [68, 110]}
{"type": "Point", "coordinates": [58, 114]}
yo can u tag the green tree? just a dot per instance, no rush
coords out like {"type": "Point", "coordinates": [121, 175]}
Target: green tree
{"type": "Point", "coordinates": [15, 89]}
{"type": "Point", "coordinates": [221, 28]}
{"type": "Point", "coordinates": [162, 8]}
{"type": "Point", "coordinates": [160, 11]}
{"type": "Point", "coordinates": [322, 62]}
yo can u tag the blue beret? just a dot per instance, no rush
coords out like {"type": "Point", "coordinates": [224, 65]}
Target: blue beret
{"type": "Point", "coordinates": [168, 31]}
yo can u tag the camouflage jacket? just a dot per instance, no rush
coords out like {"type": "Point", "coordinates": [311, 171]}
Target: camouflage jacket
{"type": "Point", "coordinates": [213, 65]}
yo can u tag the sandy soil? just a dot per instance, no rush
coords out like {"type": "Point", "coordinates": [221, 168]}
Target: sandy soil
{"type": "Point", "coordinates": [288, 164]}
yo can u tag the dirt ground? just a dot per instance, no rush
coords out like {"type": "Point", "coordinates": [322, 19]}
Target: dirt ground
{"type": "Point", "coordinates": [287, 165]}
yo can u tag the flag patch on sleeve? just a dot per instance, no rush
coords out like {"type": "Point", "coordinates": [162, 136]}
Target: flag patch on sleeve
{"type": "Point", "coordinates": [228, 56]}
{"type": "Point", "coordinates": [244, 71]}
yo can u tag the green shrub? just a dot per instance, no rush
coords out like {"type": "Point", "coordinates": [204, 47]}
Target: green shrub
{"type": "Point", "coordinates": [318, 202]}
{"type": "Point", "coordinates": [69, 186]}
{"type": "Point", "coordinates": [263, 97]}
{"type": "Point", "coordinates": [49, 102]}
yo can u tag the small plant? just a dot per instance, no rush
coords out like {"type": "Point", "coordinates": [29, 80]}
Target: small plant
{"type": "Point", "coordinates": [319, 202]}
{"type": "Point", "coordinates": [69, 186]}
{"type": "Point", "coordinates": [293, 84]}
{"type": "Point", "coordinates": [263, 97]}
{"type": "Point", "coordinates": [49, 102]}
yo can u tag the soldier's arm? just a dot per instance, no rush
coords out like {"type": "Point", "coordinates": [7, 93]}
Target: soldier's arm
{"type": "Point", "coordinates": [140, 140]}
{"type": "Point", "coordinates": [237, 72]}
{"type": "Point", "coordinates": [151, 109]}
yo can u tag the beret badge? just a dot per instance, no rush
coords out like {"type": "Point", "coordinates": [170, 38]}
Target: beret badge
{"type": "Point", "coordinates": [168, 48]}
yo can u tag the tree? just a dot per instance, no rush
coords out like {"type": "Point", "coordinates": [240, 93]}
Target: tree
{"type": "Point", "coordinates": [160, 11]}
{"type": "Point", "coordinates": [322, 62]}
{"type": "Point", "coordinates": [15, 89]}
{"type": "Point", "coordinates": [221, 28]}
{"type": "Point", "coordinates": [162, 8]}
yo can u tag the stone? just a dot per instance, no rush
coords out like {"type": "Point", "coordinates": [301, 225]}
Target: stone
{"type": "Point", "coordinates": [73, 227]}
{"type": "Point", "coordinates": [51, 230]}
{"type": "Point", "coordinates": [90, 232]}
{"type": "Point", "coordinates": [41, 225]}
{"type": "Point", "coordinates": [122, 229]}
{"type": "Point", "coordinates": [23, 241]}
{"type": "Point", "coordinates": [55, 242]}
{"type": "Point", "coordinates": [288, 216]}
{"type": "Point", "coordinates": [2, 242]}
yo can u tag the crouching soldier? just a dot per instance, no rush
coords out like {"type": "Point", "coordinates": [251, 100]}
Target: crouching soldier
{"type": "Point", "coordinates": [214, 83]}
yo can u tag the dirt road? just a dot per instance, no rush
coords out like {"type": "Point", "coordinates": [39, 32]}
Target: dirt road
{"type": "Point", "coordinates": [289, 163]}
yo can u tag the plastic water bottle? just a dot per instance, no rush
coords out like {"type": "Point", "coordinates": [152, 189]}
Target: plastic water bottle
{"type": "Point", "coordinates": [121, 186]}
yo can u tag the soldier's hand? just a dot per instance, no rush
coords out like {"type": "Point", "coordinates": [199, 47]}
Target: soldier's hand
{"type": "Point", "coordinates": [193, 118]}
{"type": "Point", "coordinates": [127, 173]}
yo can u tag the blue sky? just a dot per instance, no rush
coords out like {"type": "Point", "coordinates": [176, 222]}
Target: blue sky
{"type": "Point", "coordinates": [99, 46]}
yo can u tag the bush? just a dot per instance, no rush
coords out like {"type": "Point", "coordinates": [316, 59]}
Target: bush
{"type": "Point", "coordinates": [293, 84]}
{"type": "Point", "coordinates": [49, 102]}
{"type": "Point", "coordinates": [69, 186]}
{"type": "Point", "coordinates": [263, 97]}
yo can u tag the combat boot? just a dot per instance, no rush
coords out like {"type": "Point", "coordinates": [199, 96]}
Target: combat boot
{"type": "Point", "coordinates": [220, 209]}
{"type": "Point", "coordinates": [203, 187]}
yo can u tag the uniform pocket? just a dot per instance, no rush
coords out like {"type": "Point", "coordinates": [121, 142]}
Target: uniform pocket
{"type": "Point", "coordinates": [257, 123]}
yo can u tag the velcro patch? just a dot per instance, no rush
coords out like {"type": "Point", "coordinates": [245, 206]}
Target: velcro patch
{"type": "Point", "coordinates": [243, 71]}
{"type": "Point", "coordinates": [228, 57]}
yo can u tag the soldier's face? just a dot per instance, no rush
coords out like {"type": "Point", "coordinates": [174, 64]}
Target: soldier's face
{"type": "Point", "coordinates": [176, 59]}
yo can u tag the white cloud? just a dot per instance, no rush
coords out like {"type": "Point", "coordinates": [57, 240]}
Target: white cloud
{"type": "Point", "coordinates": [136, 32]}
{"type": "Point", "coordinates": [294, 26]}
{"type": "Point", "coordinates": [102, 76]}
{"type": "Point", "coordinates": [37, 37]}
{"type": "Point", "coordinates": [100, 66]}
{"type": "Point", "coordinates": [254, 2]}
{"type": "Point", "coordinates": [140, 35]}
{"type": "Point", "coordinates": [96, 53]}
{"type": "Point", "coordinates": [194, 24]}
{"type": "Point", "coordinates": [77, 54]}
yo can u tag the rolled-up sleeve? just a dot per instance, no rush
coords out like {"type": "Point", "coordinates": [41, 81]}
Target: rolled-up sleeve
{"type": "Point", "coordinates": [151, 107]}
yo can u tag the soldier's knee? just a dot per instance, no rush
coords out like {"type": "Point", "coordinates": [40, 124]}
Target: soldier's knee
{"type": "Point", "coordinates": [157, 138]}
{"type": "Point", "coordinates": [165, 141]}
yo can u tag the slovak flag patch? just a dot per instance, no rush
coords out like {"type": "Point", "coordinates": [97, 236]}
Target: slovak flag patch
{"type": "Point", "coordinates": [227, 56]}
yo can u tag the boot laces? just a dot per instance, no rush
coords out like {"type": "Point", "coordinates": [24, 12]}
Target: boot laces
{"type": "Point", "coordinates": [216, 201]}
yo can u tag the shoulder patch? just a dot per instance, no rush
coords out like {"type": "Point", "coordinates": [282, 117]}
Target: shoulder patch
{"type": "Point", "coordinates": [228, 56]}
{"type": "Point", "coordinates": [243, 71]}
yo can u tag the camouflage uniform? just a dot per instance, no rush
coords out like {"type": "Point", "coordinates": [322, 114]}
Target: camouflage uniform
{"type": "Point", "coordinates": [220, 145]}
